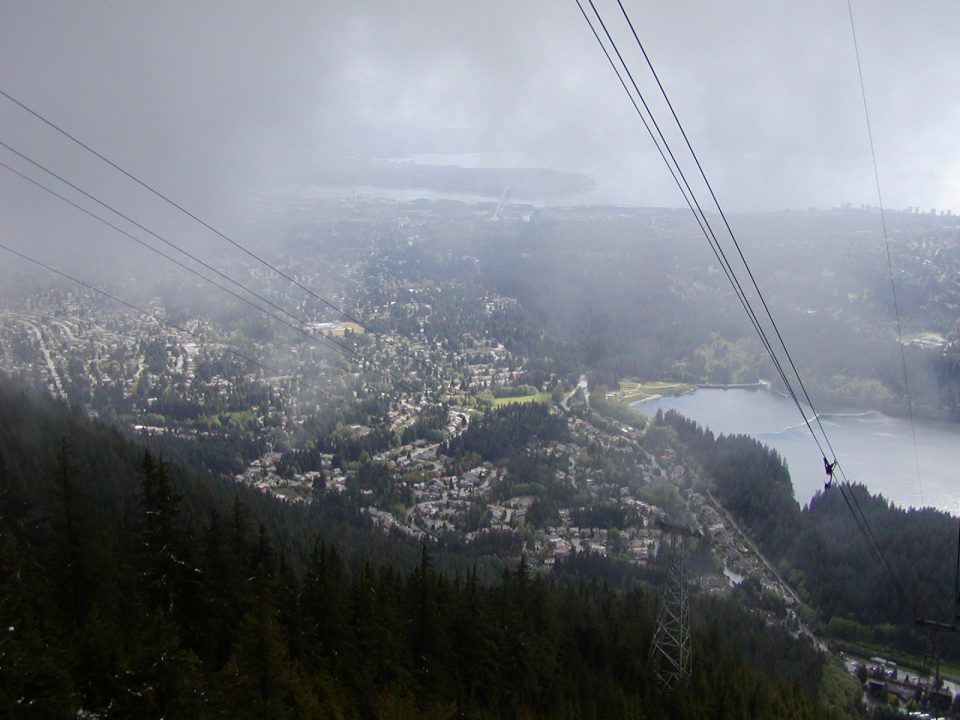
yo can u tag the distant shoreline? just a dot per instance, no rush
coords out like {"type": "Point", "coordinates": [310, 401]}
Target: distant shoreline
{"type": "Point", "coordinates": [759, 385]}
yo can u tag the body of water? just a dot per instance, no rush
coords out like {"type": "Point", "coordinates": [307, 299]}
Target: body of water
{"type": "Point", "coordinates": [874, 449]}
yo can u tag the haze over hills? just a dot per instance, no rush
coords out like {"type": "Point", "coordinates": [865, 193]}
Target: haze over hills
{"type": "Point", "coordinates": [321, 329]}
{"type": "Point", "coordinates": [474, 412]}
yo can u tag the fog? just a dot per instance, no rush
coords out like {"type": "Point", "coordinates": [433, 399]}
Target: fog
{"type": "Point", "coordinates": [218, 103]}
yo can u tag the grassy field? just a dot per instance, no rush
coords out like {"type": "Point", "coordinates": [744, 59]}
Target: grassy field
{"type": "Point", "coordinates": [539, 397]}
{"type": "Point", "coordinates": [632, 391]}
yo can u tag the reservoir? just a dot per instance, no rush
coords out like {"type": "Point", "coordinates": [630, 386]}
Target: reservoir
{"type": "Point", "coordinates": [875, 450]}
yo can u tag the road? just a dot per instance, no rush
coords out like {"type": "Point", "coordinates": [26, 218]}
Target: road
{"type": "Point", "coordinates": [51, 368]}
{"type": "Point", "coordinates": [773, 571]}
{"type": "Point", "coordinates": [565, 403]}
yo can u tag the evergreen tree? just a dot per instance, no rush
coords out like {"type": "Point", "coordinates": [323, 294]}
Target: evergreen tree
{"type": "Point", "coordinates": [160, 548]}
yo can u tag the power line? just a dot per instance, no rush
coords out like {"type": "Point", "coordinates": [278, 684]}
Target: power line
{"type": "Point", "coordinates": [323, 340]}
{"type": "Point", "coordinates": [150, 232]}
{"type": "Point", "coordinates": [183, 210]}
{"type": "Point", "coordinates": [159, 252]}
{"type": "Point", "coordinates": [202, 222]}
{"type": "Point", "coordinates": [691, 201]}
{"type": "Point", "coordinates": [859, 517]}
{"type": "Point", "coordinates": [857, 512]}
{"type": "Point", "coordinates": [886, 243]}
{"type": "Point", "coordinates": [130, 305]}
{"type": "Point", "coordinates": [733, 237]}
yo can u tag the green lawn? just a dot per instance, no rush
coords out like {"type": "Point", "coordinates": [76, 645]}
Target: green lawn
{"type": "Point", "coordinates": [539, 397]}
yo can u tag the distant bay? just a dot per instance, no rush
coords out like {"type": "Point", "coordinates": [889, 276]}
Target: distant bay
{"type": "Point", "coordinates": [876, 450]}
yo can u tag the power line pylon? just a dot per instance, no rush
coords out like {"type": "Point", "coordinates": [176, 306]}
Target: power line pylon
{"type": "Point", "coordinates": [670, 649]}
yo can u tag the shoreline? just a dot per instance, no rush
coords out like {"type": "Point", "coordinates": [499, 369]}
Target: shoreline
{"type": "Point", "coordinates": [759, 385]}
{"type": "Point", "coordinates": [861, 435]}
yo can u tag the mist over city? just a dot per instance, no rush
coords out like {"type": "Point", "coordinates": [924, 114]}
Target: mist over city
{"type": "Point", "coordinates": [573, 359]}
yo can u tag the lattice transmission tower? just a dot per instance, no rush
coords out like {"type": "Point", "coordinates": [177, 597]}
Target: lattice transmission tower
{"type": "Point", "coordinates": [670, 649]}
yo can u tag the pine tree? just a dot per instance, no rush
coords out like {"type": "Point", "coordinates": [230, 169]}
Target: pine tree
{"type": "Point", "coordinates": [160, 542]}
{"type": "Point", "coordinates": [323, 612]}
{"type": "Point", "coordinates": [72, 540]}
{"type": "Point", "coordinates": [34, 668]}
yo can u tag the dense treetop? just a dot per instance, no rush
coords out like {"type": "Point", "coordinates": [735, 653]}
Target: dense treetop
{"type": "Point", "coordinates": [129, 590]}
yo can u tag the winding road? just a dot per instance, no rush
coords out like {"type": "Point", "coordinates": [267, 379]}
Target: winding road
{"type": "Point", "coordinates": [565, 403]}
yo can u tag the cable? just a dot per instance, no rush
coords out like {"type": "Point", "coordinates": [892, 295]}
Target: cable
{"type": "Point", "coordinates": [699, 217]}
{"type": "Point", "coordinates": [713, 241]}
{"type": "Point", "coordinates": [862, 522]}
{"type": "Point", "coordinates": [153, 249]}
{"type": "Point", "coordinates": [766, 308]}
{"type": "Point", "coordinates": [704, 224]}
{"type": "Point", "coordinates": [859, 517]}
{"type": "Point", "coordinates": [886, 243]}
{"type": "Point", "coordinates": [422, 363]}
{"type": "Point", "coordinates": [149, 314]}
{"type": "Point", "coordinates": [956, 586]}
{"type": "Point", "coordinates": [202, 222]}
{"type": "Point", "coordinates": [733, 237]}
{"type": "Point", "coordinates": [865, 531]}
{"type": "Point", "coordinates": [178, 207]}
{"type": "Point", "coordinates": [329, 342]}
{"type": "Point", "coordinates": [151, 233]}
{"type": "Point", "coordinates": [323, 340]}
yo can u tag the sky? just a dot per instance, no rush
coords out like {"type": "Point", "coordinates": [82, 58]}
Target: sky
{"type": "Point", "coordinates": [220, 101]}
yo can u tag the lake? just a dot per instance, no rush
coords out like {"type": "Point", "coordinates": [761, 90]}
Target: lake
{"type": "Point", "coordinates": [874, 449]}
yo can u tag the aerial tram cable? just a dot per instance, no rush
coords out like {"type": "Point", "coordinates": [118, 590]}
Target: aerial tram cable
{"type": "Point", "coordinates": [956, 586]}
{"type": "Point", "coordinates": [705, 226]}
{"type": "Point", "coordinates": [150, 232]}
{"type": "Point", "coordinates": [886, 243]}
{"type": "Point", "coordinates": [854, 506]}
{"type": "Point", "coordinates": [733, 238]}
{"type": "Point", "coordinates": [344, 348]}
{"type": "Point", "coordinates": [831, 467]}
{"type": "Point", "coordinates": [329, 343]}
{"type": "Point", "coordinates": [153, 316]}
{"type": "Point", "coordinates": [728, 271]}
{"type": "Point", "coordinates": [698, 214]}
{"type": "Point", "coordinates": [867, 532]}
{"type": "Point", "coordinates": [835, 465]}
{"type": "Point", "coordinates": [163, 255]}
{"type": "Point", "coordinates": [168, 257]}
{"type": "Point", "coordinates": [183, 210]}
{"type": "Point", "coordinates": [194, 217]}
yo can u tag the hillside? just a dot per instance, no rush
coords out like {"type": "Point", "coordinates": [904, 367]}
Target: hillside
{"type": "Point", "coordinates": [130, 587]}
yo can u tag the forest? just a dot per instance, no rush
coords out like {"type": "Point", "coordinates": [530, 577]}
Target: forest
{"type": "Point", "coordinates": [505, 430]}
{"type": "Point", "coordinates": [633, 293]}
{"type": "Point", "coordinates": [131, 588]}
{"type": "Point", "coordinates": [822, 552]}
